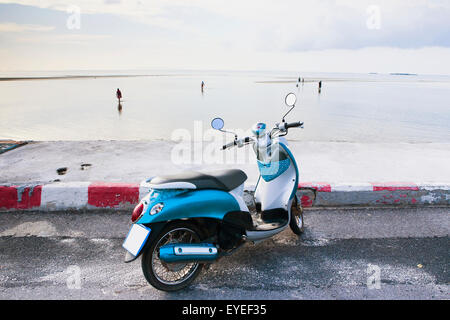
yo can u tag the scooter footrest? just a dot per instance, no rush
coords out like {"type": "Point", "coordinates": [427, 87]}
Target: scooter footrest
{"type": "Point", "coordinates": [270, 219]}
{"type": "Point", "coordinates": [269, 226]}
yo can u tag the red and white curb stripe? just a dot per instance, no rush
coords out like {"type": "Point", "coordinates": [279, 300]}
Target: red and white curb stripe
{"type": "Point", "coordinates": [95, 195]}
{"type": "Point", "coordinates": [71, 195]}
{"type": "Point", "coordinates": [374, 194]}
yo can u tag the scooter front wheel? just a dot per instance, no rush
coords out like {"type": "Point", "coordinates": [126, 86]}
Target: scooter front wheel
{"type": "Point", "coordinates": [171, 276]}
{"type": "Point", "coordinates": [296, 223]}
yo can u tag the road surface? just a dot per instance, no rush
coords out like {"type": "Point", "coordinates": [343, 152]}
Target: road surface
{"type": "Point", "coordinates": [343, 254]}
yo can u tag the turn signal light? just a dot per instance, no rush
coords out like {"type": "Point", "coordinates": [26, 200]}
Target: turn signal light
{"type": "Point", "coordinates": [157, 208]}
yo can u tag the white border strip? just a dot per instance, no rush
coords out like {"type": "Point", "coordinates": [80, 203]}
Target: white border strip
{"type": "Point", "coordinates": [350, 187]}
{"type": "Point", "coordinates": [64, 195]}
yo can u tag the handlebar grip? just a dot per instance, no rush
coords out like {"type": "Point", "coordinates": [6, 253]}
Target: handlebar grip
{"type": "Point", "coordinates": [294, 124]}
{"type": "Point", "coordinates": [236, 143]}
{"type": "Point", "coordinates": [228, 145]}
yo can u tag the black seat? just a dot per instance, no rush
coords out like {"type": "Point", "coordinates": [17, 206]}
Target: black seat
{"type": "Point", "coordinates": [226, 180]}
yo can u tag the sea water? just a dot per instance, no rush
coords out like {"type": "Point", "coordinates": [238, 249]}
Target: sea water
{"type": "Point", "coordinates": [349, 107]}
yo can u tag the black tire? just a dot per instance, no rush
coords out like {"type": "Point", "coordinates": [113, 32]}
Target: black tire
{"type": "Point", "coordinates": [297, 223]}
{"type": "Point", "coordinates": [150, 258]}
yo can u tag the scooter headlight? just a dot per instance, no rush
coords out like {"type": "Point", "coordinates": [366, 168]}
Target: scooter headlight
{"type": "Point", "coordinates": [156, 208]}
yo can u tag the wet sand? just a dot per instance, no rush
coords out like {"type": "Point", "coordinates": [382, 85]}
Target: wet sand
{"type": "Point", "coordinates": [77, 77]}
{"type": "Point", "coordinates": [315, 80]}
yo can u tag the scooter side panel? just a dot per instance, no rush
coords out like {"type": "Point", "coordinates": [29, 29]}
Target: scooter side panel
{"type": "Point", "coordinates": [279, 192]}
{"type": "Point", "coordinates": [194, 204]}
{"type": "Point", "coordinates": [291, 156]}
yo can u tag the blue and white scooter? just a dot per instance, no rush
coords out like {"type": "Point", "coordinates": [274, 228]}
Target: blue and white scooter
{"type": "Point", "coordinates": [191, 219]}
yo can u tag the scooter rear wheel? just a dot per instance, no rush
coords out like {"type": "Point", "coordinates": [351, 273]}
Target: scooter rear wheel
{"type": "Point", "coordinates": [171, 276]}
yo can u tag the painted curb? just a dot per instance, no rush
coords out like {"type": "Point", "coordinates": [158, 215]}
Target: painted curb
{"type": "Point", "coordinates": [107, 195]}
{"type": "Point", "coordinates": [374, 194]}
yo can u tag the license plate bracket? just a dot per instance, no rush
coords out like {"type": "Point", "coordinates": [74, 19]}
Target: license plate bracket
{"type": "Point", "coordinates": [136, 238]}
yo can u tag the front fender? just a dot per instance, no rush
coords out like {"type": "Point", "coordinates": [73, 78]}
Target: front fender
{"type": "Point", "coordinates": [190, 204]}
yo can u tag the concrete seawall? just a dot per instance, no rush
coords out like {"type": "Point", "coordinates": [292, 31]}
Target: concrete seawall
{"type": "Point", "coordinates": [104, 195]}
{"type": "Point", "coordinates": [357, 174]}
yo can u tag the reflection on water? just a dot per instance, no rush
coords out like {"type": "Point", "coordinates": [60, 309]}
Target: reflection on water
{"type": "Point", "coordinates": [366, 108]}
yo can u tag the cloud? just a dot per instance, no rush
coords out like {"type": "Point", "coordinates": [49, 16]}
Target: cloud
{"type": "Point", "coordinates": [73, 39]}
{"type": "Point", "coordinates": [290, 25]}
{"type": "Point", "coordinates": [342, 24]}
{"type": "Point", "coordinates": [235, 33]}
{"type": "Point", "coordinates": [128, 8]}
{"type": "Point", "coordinates": [14, 27]}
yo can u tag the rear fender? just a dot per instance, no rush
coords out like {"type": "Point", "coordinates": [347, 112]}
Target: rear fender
{"type": "Point", "coordinates": [212, 204]}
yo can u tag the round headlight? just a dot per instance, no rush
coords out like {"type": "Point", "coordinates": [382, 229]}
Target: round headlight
{"type": "Point", "coordinates": [157, 208]}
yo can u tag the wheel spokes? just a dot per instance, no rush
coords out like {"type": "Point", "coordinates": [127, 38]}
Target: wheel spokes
{"type": "Point", "coordinates": [173, 273]}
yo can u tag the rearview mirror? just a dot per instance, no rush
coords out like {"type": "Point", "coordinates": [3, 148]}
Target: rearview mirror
{"type": "Point", "coordinates": [290, 99]}
{"type": "Point", "coordinates": [217, 123]}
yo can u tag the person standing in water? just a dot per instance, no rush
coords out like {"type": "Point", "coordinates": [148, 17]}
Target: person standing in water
{"type": "Point", "coordinates": [320, 86]}
{"type": "Point", "coordinates": [203, 85]}
{"type": "Point", "coordinates": [118, 94]}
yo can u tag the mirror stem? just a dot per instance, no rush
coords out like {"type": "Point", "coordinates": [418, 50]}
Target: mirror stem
{"type": "Point", "coordinates": [235, 135]}
{"type": "Point", "coordinates": [287, 113]}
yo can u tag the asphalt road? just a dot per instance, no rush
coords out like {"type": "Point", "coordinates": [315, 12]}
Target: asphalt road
{"type": "Point", "coordinates": [79, 256]}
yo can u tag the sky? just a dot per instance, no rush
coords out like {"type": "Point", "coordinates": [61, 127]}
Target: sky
{"type": "Point", "coordinates": [411, 36]}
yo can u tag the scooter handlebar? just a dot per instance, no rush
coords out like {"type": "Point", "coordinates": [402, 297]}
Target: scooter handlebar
{"type": "Point", "coordinates": [238, 143]}
{"type": "Point", "coordinates": [229, 145]}
{"type": "Point", "coordinates": [294, 124]}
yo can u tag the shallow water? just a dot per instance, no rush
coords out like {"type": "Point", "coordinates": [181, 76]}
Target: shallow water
{"type": "Point", "coordinates": [350, 107]}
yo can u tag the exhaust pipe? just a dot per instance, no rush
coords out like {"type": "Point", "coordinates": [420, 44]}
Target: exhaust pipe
{"type": "Point", "coordinates": [188, 252]}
